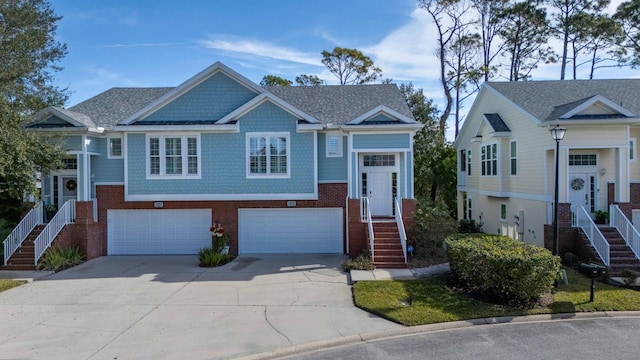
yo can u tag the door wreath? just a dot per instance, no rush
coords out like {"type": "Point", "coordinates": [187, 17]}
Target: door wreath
{"type": "Point", "coordinates": [71, 185]}
{"type": "Point", "coordinates": [577, 184]}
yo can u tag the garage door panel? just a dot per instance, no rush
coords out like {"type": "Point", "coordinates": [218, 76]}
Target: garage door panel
{"type": "Point", "coordinates": [290, 230]}
{"type": "Point", "coordinates": [147, 232]}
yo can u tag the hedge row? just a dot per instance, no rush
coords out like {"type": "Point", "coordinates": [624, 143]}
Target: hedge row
{"type": "Point", "coordinates": [501, 267]}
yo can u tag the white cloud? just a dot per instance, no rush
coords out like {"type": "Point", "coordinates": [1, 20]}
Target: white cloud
{"type": "Point", "coordinates": [253, 48]}
{"type": "Point", "coordinates": [407, 53]}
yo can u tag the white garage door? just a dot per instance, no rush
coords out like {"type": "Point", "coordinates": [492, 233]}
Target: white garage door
{"type": "Point", "coordinates": [290, 230]}
{"type": "Point", "coordinates": [148, 232]}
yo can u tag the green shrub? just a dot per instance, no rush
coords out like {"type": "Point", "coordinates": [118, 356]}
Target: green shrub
{"type": "Point", "coordinates": [469, 226]}
{"type": "Point", "coordinates": [629, 276]}
{"type": "Point", "coordinates": [362, 262]}
{"type": "Point", "coordinates": [431, 226]}
{"type": "Point", "coordinates": [5, 230]}
{"type": "Point", "coordinates": [571, 259]}
{"type": "Point", "coordinates": [59, 258]}
{"type": "Point", "coordinates": [209, 257]}
{"type": "Point", "coordinates": [503, 269]}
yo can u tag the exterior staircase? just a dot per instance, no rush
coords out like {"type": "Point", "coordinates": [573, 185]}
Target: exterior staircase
{"type": "Point", "coordinates": [23, 258]}
{"type": "Point", "coordinates": [620, 255]}
{"type": "Point", "coordinates": [388, 249]}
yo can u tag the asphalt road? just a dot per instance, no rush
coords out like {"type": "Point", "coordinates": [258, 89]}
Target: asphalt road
{"type": "Point", "coordinates": [605, 338]}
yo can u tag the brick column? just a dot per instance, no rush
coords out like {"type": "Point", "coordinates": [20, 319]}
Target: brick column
{"type": "Point", "coordinates": [357, 229]}
{"type": "Point", "coordinates": [627, 209]}
{"type": "Point", "coordinates": [408, 209]}
{"type": "Point", "coordinates": [88, 235]}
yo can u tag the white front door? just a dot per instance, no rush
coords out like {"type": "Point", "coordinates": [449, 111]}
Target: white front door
{"type": "Point", "coordinates": [379, 193]}
{"type": "Point", "coordinates": [582, 190]}
{"type": "Point", "coordinates": [68, 188]}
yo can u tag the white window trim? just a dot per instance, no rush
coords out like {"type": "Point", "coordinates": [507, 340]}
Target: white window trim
{"type": "Point", "coordinates": [340, 152]}
{"type": "Point", "coordinates": [503, 219]}
{"type": "Point", "coordinates": [633, 152]}
{"type": "Point", "coordinates": [497, 158]}
{"type": "Point", "coordinates": [185, 157]}
{"type": "Point", "coordinates": [511, 157]}
{"type": "Point", "coordinates": [268, 175]}
{"type": "Point", "coordinates": [109, 155]}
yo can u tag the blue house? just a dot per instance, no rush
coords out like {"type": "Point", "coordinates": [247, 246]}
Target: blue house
{"type": "Point", "coordinates": [304, 169]}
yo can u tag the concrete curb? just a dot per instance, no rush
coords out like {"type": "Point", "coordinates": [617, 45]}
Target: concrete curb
{"type": "Point", "coordinates": [434, 328]}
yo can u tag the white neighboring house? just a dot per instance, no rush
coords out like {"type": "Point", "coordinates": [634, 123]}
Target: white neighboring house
{"type": "Point", "coordinates": [506, 154]}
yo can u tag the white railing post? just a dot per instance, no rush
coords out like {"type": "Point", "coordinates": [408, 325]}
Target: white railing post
{"type": "Point", "coordinates": [595, 237]}
{"type": "Point", "coordinates": [65, 215]}
{"type": "Point", "coordinates": [365, 203]}
{"type": "Point", "coordinates": [401, 230]}
{"type": "Point", "coordinates": [629, 233]}
{"type": "Point", "coordinates": [33, 218]}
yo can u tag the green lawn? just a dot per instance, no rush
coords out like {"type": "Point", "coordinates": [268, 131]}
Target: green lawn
{"type": "Point", "coordinates": [6, 284]}
{"type": "Point", "coordinates": [429, 301]}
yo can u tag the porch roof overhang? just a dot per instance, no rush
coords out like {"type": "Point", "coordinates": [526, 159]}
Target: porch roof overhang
{"type": "Point", "coordinates": [392, 127]}
{"type": "Point", "coordinates": [227, 128]}
{"type": "Point", "coordinates": [602, 122]}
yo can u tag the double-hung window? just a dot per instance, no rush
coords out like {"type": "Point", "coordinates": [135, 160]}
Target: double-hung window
{"type": "Point", "coordinates": [173, 156]}
{"type": "Point", "coordinates": [115, 147]}
{"type": "Point", "coordinates": [268, 155]}
{"type": "Point", "coordinates": [489, 158]}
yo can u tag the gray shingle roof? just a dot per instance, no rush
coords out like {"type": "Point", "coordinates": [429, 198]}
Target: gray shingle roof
{"type": "Point", "coordinates": [497, 123]}
{"type": "Point", "coordinates": [114, 105]}
{"type": "Point", "coordinates": [331, 104]}
{"type": "Point", "coordinates": [339, 104]}
{"type": "Point", "coordinates": [547, 100]}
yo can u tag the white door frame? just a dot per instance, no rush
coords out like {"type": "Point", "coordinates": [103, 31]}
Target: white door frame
{"type": "Point", "coordinates": [381, 210]}
{"type": "Point", "coordinates": [60, 174]}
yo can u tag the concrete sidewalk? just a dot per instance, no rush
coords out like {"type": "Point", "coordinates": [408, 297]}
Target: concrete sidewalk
{"type": "Point", "coordinates": [398, 274]}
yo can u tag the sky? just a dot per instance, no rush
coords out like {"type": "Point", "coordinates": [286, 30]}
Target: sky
{"type": "Point", "coordinates": [147, 43]}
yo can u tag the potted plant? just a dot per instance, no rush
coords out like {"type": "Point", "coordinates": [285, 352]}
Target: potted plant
{"type": "Point", "coordinates": [602, 217]}
{"type": "Point", "coordinates": [50, 211]}
{"type": "Point", "coordinates": [219, 240]}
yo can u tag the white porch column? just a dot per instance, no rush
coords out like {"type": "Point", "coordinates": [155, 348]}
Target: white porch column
{"type": "Point", "coordinates": [563, 175]}
{"type": "Point", "coordinates": [622, 175]}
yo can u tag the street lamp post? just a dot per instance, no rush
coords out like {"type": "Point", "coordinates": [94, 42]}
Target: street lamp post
{"type": "Point", "coordinates": [557, 133]}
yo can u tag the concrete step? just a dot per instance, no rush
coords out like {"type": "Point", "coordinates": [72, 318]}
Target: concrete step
{"type": "Point", "coordinates": [390, 265]}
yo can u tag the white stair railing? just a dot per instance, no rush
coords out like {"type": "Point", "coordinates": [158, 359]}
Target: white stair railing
{"type": "Point", "coordinates": [401, 230]}
{"type": "Point", "coordinates": [65, 215]}
{"type": "Point", "coordinates": [626, 229]}
{"type": "Point", "coordinates": [583, 220]}
{"type": "Point", "coordinates": [22, 230]}
{"type": "Point", "coordinates": [364, 208]}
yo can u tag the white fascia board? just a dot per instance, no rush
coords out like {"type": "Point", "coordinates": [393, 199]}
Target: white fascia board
{"type": "Point", "coordinates": [215, 197]}
{"type": "Point", "coordinates": [398, 127]}
{"type": "Point", "coordinates": [599, 122]}
{"type": "Point", "coordinates": [259, 100]}
{"type": "Point", "coordinates": [500, 134]}
{"type": "Point", "coordinates": [381, 109]}
{"type": "Point", "coordinates": [190, 84]}
{"type": "Point", "coordinates": [61, 130]}
{"type": "Point", "coordinates": [594, 100]}
{"type": "Point", "coordinates": [309, 127]}
{"type": "Point", "coordinates": [169, 128]}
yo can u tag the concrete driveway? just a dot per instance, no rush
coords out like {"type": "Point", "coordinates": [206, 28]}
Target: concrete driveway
{"type": "Point", "coordinates": [168, 307]}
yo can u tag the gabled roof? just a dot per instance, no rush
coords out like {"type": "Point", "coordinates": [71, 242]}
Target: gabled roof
{"type": "Point", "coordinates": [340, 104]}
{"type": "Point", "coordinates": [266, 96]}
{"type": "Point", "coordinates": [190, 84]}
{"type": "Point", "coordinates": [73, 119]}
{"type": "Point", "coordinates": [550, 101]}
{"type": "Point", "coordinates": [497, 123]}
{"type": "Point", "coordinates": [382, 110]}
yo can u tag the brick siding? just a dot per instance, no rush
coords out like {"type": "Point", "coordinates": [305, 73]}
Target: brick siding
{"type": "Point", "coordinates": [111, 197]}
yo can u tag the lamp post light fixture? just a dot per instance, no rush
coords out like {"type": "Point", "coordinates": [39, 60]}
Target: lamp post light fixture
{"type": "Point", "coordinates": [557, 133]}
